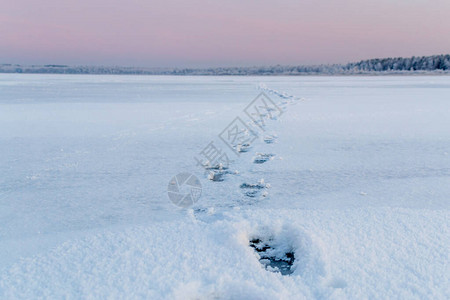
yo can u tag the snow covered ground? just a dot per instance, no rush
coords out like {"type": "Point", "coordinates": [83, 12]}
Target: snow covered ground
{"type": "Point", "coordinates": [357, 189]}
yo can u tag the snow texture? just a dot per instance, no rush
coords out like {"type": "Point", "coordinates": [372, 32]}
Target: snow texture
{"type": "Point", "coordinates": [357, 189]}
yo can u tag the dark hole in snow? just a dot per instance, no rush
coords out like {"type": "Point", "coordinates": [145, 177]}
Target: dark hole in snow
{"type": "Point", "coordinates": [274, 263]}
{"type": "Point", "coordinates": [260, 160]}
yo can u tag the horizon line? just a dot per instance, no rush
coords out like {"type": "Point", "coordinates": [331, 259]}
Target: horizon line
{"type": "Point", "coordinates": [55, 65]}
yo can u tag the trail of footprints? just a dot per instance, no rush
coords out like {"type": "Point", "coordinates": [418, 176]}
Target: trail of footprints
{"type": "Point", "coordinates": [276, 252]}
{"type": "Point", "coordinates": [270, 256]}
{"type": "Point", "coordinates": [257, 189]}
{"type": "Point", "coordinates": [252, 190]}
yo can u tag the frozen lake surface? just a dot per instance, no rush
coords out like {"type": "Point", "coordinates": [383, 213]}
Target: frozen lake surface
{"type": "Point", "coordinates": [356, 189]}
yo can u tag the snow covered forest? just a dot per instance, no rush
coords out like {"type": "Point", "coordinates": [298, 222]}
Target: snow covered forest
{"type": "Point", "coordinates": [414, 65]}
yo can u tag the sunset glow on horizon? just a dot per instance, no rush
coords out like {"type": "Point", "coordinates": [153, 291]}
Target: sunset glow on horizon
{"type": "Point", "coordinates": [204, 33]}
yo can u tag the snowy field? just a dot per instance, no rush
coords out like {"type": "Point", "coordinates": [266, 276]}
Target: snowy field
{"type": "Point", "coordinates": [354, 202]}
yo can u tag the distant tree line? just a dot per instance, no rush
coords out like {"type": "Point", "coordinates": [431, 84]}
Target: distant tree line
{"type": "Point", "coordinates": [398, 65]}
{"type": "Point", "coordinates": [423, 63]}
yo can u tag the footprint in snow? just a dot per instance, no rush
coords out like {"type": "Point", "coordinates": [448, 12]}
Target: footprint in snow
{"type": "Point", "coordinates": [261, 158]}
{"type": "Point", "coordinates": [253, 190]}
{"type": "Point", "coordinates": [242, 148]}
{"type": "Point", "coordinates": [217, 172]}
{"type": "Point", "coordinates": [272, 258]}
{"type": "Point", "coordinates": [270, 138]}
{"type": "Point", "coordinates": [289, 251]}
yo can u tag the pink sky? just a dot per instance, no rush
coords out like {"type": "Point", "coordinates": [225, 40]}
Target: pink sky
{"type": "Point", "coordinates": [219, 33]}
